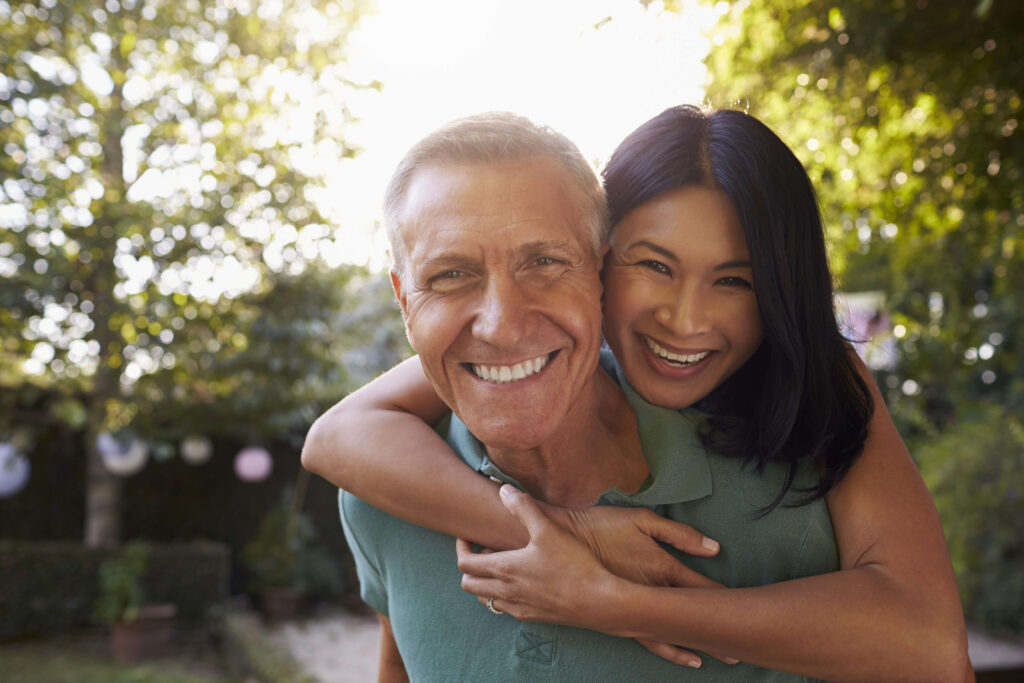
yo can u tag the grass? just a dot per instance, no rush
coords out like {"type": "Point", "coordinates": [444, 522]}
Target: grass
{"type": "Point", "coordinates": [86, 659]}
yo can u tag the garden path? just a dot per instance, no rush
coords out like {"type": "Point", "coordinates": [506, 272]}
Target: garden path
{"type": "Point", "coordinates": [342, 647]}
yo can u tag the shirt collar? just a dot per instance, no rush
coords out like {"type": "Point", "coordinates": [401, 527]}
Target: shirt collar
{"type": "Point", "coordinates": [680, 470]}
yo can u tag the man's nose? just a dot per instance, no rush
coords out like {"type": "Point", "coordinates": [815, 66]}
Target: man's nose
{"type": "Point", "coordinates": [503, 315]}
{"type": "Point", "coordinates": [686, 313]}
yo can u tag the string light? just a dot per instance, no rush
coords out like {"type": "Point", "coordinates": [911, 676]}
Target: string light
{"type": "Point", "coordinates": [253, 464]}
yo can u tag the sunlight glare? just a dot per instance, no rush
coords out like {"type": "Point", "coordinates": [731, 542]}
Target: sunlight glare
{"type": "Point", "coordinates": [592, 69]}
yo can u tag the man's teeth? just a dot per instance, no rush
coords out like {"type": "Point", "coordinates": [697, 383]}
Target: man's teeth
{"type": "Point", "coordinates": [504, 374]}
{"type": "Point", "coordinates": [681, 359]}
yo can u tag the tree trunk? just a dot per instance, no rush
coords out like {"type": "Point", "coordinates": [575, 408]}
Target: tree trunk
{"type": "Point", "coordinates": [102, 499]}
{"type": "Point", "coordinates": [103, 488]}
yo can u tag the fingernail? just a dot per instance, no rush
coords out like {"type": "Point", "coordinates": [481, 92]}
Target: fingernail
{"type": "Point", "coordinates": [694, 664]}
{"type": "Point", "coordinates": [730, 660]}
{"type": "Point", "coordinates": [507, 490]}
{"type": "Point", "coordinates": [710, 543]}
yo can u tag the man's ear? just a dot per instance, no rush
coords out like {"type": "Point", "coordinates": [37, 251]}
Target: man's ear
{"type": "Point", "coordinates": [396, 284]}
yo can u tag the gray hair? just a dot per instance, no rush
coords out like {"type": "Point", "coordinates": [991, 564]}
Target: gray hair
{"type": "Point", "coordinates": [495, 137]}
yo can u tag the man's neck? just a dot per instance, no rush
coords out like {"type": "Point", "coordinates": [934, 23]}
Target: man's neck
{"type": "Point", "coordinates": [597, 448]}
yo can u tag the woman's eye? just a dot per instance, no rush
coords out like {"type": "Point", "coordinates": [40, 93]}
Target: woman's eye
{"type": "Point", "coordinates": [733, 281]}
{"type": "Point", "coordinates": [656, 266]}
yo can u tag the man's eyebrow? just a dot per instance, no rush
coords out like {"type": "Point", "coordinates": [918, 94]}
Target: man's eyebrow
{"type": "Point", "coordinates": [445, 260]}
{"type": "Point", "coordinates": [544, 245]}
{"type": "Point", "coordinates": [655, 248]}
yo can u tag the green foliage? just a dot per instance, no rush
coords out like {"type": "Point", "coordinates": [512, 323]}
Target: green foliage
{"type": "Point", "coordinates": [192, 576]}
{"type": "Point", "coordinates": [252, 655]}
{"type": "Point", "coordinates": [150, 173]}
{"type": "Point", "coordinates": [120, 580]}
{"type": "Point", "coordinates": [53, 587]}
{"type": "Point", "coordinates": [160, 237]}
{"type": "Point", "coordinates": [906, 115]}
{"type": "Point", "coordinates": [47, 587]}
{"type": "Point", "coordinates": [49, 663]}
{"type": "Point", "coordinates": [976, 476]}
{"type": "Point", "coordinates": [284, 553]}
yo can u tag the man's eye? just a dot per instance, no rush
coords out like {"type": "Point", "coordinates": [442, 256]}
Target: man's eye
{"type": "Point", "coordinates": [546, 261]}
{"type": "Point", "coordinates": [449, 280]}
{"type": "Point", "coordinates": [656, 266]}
{"type": "Point", "coordinates": [449, 275]}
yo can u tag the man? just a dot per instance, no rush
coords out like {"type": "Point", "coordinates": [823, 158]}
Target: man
{"type": "Point", "coordinates": [497, 229]}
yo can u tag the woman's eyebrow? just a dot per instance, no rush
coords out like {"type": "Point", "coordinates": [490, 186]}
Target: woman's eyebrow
{"type": "Point", "coordinates": [734, 264]}
{"type": "Point", "coordinates": [655, 248]}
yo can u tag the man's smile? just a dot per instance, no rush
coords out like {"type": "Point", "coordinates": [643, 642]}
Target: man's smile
{"type": "Point", "coordinates": [506, 374]}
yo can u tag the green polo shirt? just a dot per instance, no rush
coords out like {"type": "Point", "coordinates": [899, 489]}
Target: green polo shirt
{"type": "Point", "coordinates": [409, 574]}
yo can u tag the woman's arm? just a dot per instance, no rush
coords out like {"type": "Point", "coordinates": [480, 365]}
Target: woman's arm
{"type": "Point", "coordinates": [892, 612]}
{"type": "Point", "coordinates": [377, 443]}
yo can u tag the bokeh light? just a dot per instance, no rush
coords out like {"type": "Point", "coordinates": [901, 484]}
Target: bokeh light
{"type": "Point", "coordinates": [253, 464]}
{"type": "Point", "coordinates": [15, 470]}
{"type": "Point", "coordinates": [123, 457]}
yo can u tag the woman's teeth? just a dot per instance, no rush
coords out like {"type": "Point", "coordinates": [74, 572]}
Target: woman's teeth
{"type": "Point", "coordinates": [504, 374]}
{"type": "Point", "coordinates": [674, 358]}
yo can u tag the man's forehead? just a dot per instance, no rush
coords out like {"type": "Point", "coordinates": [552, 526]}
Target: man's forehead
{"type": "Point", "coordinates": [430, 252]}
{"type": "Point", "coordinates": [466, 185]}
{"type": "Point", "coordinates": [521, 203]}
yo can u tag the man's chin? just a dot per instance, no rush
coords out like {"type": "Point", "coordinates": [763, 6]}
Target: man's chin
{"type": "Point", "coordinates": [518, 436]}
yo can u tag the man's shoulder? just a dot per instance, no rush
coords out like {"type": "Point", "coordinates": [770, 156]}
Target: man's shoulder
{"type": "Point", "coordinates": [358, 514]}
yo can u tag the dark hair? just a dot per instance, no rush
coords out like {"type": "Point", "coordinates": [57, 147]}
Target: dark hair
{"type": "Point", "coordinates": [799, 398]}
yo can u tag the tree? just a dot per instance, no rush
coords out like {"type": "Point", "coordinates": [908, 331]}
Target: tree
{"type": "Point", "coordinates": [906, 114]}
{"type": "Point", "coordinates": [157, 207]}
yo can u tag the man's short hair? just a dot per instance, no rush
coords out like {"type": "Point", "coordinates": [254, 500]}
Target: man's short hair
{"type": "Point", "coordinates": [488, 138]}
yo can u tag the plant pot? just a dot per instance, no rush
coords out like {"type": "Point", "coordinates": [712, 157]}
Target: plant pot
{"type": "Point", "coordinates": [282, 603]}
{"type": "Point", "coordinates": [148, 636]}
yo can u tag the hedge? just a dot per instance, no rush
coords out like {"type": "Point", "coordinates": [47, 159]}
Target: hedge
{"type": "Point", "coordinates": [51, 587]}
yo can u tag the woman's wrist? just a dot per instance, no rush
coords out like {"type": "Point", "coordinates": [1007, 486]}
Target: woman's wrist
{"type": "Point", "coordinates": [609, 607]}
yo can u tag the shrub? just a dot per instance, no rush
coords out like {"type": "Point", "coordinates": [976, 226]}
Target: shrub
{"type": "Point", "coordinates": [975, 471]}
{"type": "Point", "coordinates": [50, 587]}
{"type": "Point", "coordinates": [120, 580]}
{"type": "Point", "coordinates": [286, 553]}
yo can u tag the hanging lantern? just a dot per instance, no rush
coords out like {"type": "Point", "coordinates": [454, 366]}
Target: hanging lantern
{"type": "Point", "coordinates": [253, 464]}
{"type": "Point", "coordinates": [123, 458]}
{"type": "Point", "coordinates": [195, 450]}
{"type": "Point", "coordinates": [14, 470]}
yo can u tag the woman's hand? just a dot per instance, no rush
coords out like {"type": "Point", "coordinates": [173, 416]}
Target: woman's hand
{"type": "Point", "coordinates": [556, 579]}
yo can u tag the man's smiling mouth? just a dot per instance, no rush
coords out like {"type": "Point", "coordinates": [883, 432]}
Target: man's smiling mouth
{"type": "Point", "coordinates": [507, 374]}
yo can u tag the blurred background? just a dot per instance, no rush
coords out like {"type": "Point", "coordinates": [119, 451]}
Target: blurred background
{"type": "Point", "coordinates": [192, 266]}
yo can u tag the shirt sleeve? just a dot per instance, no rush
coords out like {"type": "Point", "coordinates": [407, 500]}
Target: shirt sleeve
{"type": "Point", "coordinates": [356, 520]}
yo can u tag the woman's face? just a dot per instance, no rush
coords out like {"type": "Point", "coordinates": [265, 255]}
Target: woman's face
{"type": "Point", "coordinates": [680, 310]}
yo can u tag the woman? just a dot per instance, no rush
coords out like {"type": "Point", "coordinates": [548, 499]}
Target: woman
{"type": "Point", "coordinates": [717, 294]}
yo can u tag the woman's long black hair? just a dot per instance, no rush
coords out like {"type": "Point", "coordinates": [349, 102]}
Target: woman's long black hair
{"type": "Point", "coordinates": [800, 397]}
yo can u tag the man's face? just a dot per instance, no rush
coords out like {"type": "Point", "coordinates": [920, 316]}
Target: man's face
{"type": "Point", "coordinates": [501, 296]}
